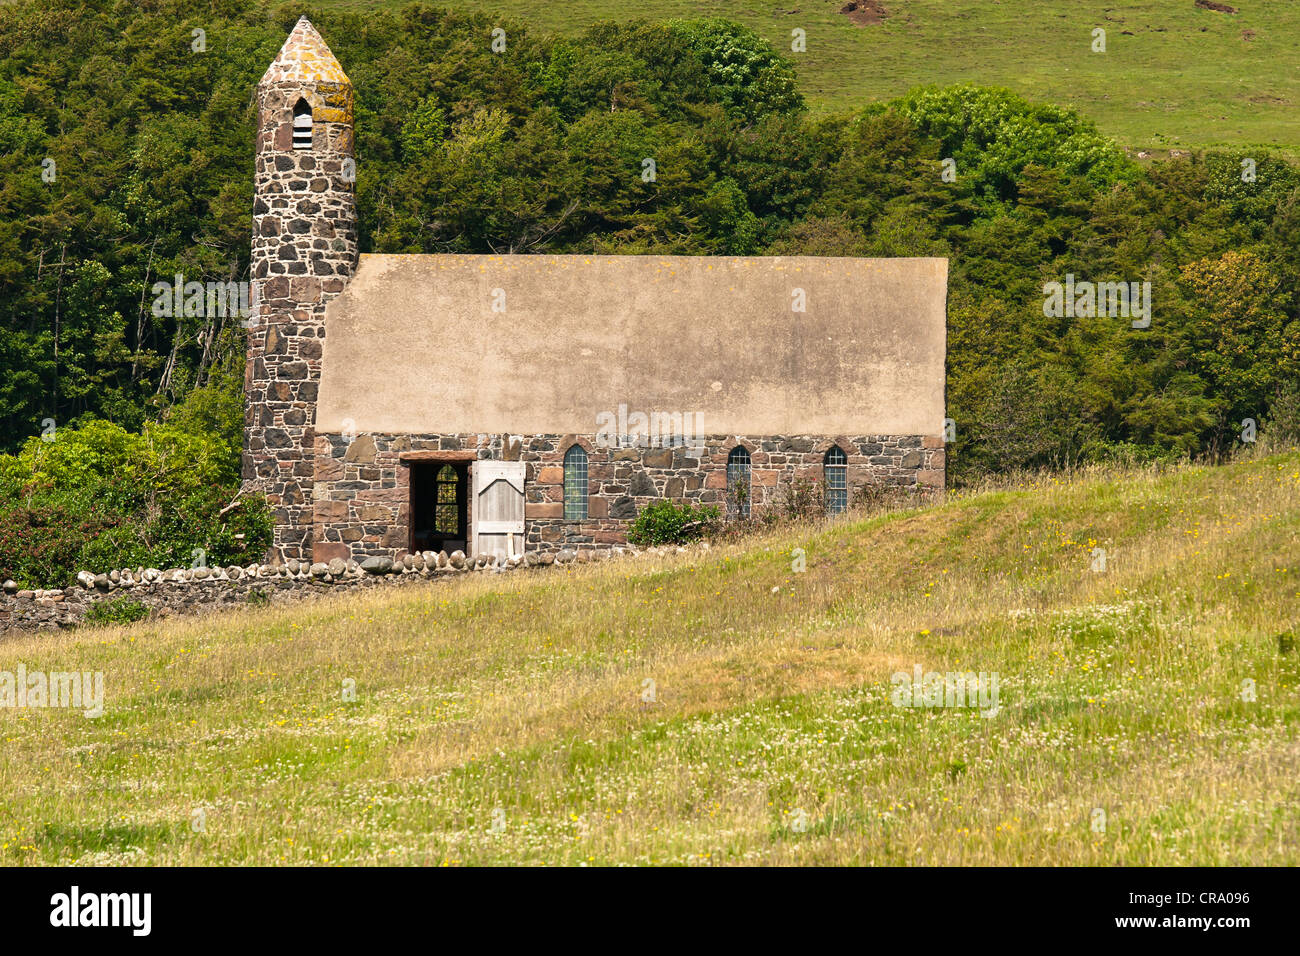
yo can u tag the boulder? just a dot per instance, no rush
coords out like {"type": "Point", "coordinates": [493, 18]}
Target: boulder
{"type": "Point", "coordinates": [566, 555]}
{"type": "Point", "coordinates": [84, 578]}
{"type": "Point", "coordinates": [457, 559]}
{"type": "Point", "coordinates": [11, 586]}
{"type": "Point", "coordinates": [377, 565]}
{"type": "Point", "coordinates": [337, 567]}
{"type": "Point", "coordinates": [101, 581]}
{"type": "Point", "coordinates": [319, 569]}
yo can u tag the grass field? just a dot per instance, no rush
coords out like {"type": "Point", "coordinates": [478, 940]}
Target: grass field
{"type": "Point", "coordinates": [505, 719]}
{"type": "Point", "coordinates": [1174, 75]}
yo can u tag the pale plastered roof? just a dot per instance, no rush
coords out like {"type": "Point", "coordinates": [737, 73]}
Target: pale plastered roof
{"type": "Point", "coordinates": [414, 345]}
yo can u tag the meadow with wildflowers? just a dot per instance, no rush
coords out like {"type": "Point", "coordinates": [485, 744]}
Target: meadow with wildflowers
{"type": "Point", "coordinates": [720, 707]}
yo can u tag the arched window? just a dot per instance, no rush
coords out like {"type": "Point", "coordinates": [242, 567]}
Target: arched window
{"type": "Point", "coordinates": [836, 468]}
{"type": "Point", "coordinates": [575, 483]}
{"type": "Point", "coordinates": [302, 125]}
{"type": "Point", "coordinates": [738, 487]}
{"type": "Point", "coordinates": [446, 515]}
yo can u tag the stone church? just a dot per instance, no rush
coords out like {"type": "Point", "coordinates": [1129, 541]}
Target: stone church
{"type": "Point", "coordinates": [503, 404]}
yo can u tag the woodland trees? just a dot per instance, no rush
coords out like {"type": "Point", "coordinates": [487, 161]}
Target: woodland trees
{"type": "Point", "coordinates": [543, 147]}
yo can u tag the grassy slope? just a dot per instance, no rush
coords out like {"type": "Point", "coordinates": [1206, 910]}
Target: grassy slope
{"type": "Point", "coordinates": [1186, 77]}
{"type": "Point", "coordinates": [1119, 690]}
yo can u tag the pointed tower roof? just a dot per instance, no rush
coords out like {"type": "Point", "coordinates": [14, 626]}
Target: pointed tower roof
{"type": "Point", "coordinates": [305, 59]}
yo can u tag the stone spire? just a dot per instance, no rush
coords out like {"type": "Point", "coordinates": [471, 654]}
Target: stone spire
{"type": "Point", "coordinates": [304, 251]}
{"type": "Point", "coordinates": [304, 59]}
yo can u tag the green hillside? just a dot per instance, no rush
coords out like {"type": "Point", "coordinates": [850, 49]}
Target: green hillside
{"type": "Point", "coordinates": [508, 719]}
{"type": "Point", "coordinates": [1174, 74]}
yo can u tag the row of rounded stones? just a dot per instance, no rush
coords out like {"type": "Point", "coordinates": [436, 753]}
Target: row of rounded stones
{"type": "Point", "coordinates": [426, 562]}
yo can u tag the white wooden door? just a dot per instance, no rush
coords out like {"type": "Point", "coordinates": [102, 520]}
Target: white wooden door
{"type": "Point", "coordinates": [498, 507]}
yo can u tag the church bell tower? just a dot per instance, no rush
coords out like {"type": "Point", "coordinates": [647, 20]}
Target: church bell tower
{"type": "Point", "coordinates": [304, 251]}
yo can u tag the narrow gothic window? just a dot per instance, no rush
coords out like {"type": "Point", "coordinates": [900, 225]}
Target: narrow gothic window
{"type": "Point", "coordinates": [575, 483]}
{"type": "Point", "coordinates": [302, 125]}
{"type": "Point", "coordinates": [738, 485]}
{"type": "Point", "coordinates": [836, 467]}
{"type": "Point", "coordinates": [446, 517]}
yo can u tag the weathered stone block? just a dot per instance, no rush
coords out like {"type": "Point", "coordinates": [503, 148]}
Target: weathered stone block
{"type": "Point", "coordinates": [361, 450]}
{"type": "Point", "coordinates": [642, 485]}
{"type": "Point", "coordinates": [327, 511]}
{"type": "Point", "coordinates": [930, 477]}
{"type": "Point", "coordinates": [330, 551]}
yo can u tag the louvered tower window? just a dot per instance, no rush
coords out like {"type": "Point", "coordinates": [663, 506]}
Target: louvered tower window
{"type": "Point", "coordinates": [302, 125]}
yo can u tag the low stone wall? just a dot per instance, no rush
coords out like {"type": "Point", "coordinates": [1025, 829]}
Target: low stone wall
{"type": "Point", "coordinates": [199, 590]}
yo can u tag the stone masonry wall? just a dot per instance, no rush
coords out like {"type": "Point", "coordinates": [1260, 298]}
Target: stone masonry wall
{"type": "Point", "coordinates": [66, 607]}
{"type": "Point", "coordinates": [362, 487]}
{"type": "Point", "coordinates": [304, 250]}
{"type": "Point", "coordinates": [201, 590]}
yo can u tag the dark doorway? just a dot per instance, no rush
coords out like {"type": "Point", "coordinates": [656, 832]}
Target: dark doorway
{"type": "Point", "coordinates": [439, 516]}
